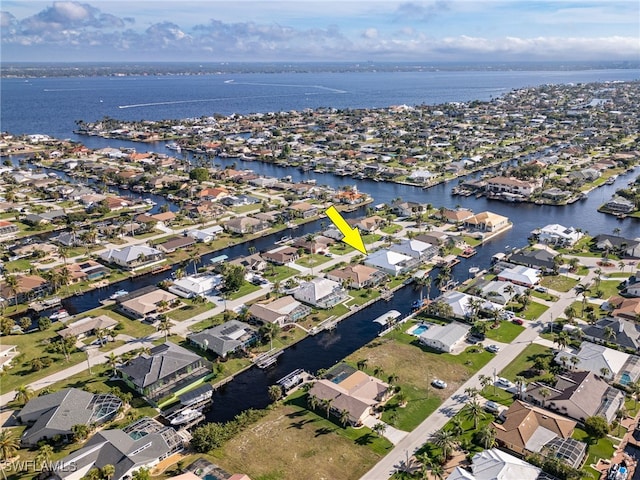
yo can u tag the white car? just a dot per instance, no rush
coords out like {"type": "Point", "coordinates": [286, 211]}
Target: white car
{"type": "Point", "coordinates": [492, 407]}
{"type": "Point", "coordinates": [439, 383]}
{"type": "Point", "coordinates": [493, 348]}
{"type": "Point", "coordinates": [503, 382]}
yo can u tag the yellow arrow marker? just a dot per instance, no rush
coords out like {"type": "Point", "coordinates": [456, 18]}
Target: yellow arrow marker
{"type": "Point", "coordinates": [351, 235]}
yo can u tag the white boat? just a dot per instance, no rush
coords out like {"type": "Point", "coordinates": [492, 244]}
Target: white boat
{"type": "Point", "coordinates": [59, 315]}
{"type": "Point", "coordinates": [185, 416]}
{"type": "Point", "coordinates": [200, 398]}
{"type": "Point", "coordinates": [173, 146]}
{"type": "Point", "coordinates": [118, 294]}
{"type": "Point", "coordinates": [474, 270]}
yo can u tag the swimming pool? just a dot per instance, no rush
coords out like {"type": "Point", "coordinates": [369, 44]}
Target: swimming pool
{"type": "Point", "coordinates": [625, 378]}
{"type": "Point", "coordinates": [419, 330]}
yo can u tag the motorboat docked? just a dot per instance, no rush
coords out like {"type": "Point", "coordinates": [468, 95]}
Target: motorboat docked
{"type": "Point", "coordinates": [119, 293]}
{"type": "Point", "coordinates": [173, 146]}
{"type": "Point", "coordinates": [474, 270]}
{"type": "Point", "coordinates": [59, 315]}
{"type": "Point", "coordinates": [197, 395]}
{"type": "Point", "coordinates": [185, 416]}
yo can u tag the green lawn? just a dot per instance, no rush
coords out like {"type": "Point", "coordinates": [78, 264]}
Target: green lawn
{"type": "Point", "coordinates": [523, 362]}
{"type": "Point", "coordinates": [278, 273]}
{"type": "Point", "coordinates": [533, 311]}
{"type": "Point", "coordinates": [559, 283]}
{"type": "Point", "coordinates": [420, 404]}
{"type": "Point", "coordinates": [497, 395]}
{"type": "Point", "coordinates": [245, 289]}
{"type": "Point", "coordinates": [602, 448]}
{"type": "Point", "coordinates": [362, 296]}
{"type": "Point", "coordinates": [506, 333]}
{"type": "Point", "coordinates": [622, 275]}
{"type": "Point", "coordinates": [544, 296]}
{"type": "Point", "coordinates": [609, 288]}
{"type": "Point", "coordinates": [312, 261]}
{"type": "Point", "coordinates": [189, 310]}
{"type": "Point", "coordinates": [391, 229]}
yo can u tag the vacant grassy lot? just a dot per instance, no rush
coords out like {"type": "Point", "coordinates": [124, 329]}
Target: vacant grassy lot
{"type": "Point", "coordinates": [533, 311]}
{"type": "Point", "coordinates": [505, 333]}
{"type": "Point", "coordinates": [293, 443]}
{"type": "Point", "coordinates": [607, 287]}
{"type": "Point", "coordinates": [559, 283]}
{"type": "Point", "coordinates": [522, 364]}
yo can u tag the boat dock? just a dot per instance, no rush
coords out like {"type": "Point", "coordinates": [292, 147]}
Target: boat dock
{"type": "Point", "coordinates": [294, 379]}
{"type": "Point", "coordinates": [265, 360]}
{"type": "Point", "coordinates": [45, 304]}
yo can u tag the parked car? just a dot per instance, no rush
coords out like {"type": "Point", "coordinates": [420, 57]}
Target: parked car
{"type": "Point", "coordinates": [541, 289]}
{"type": "Point", "coordinates": [475, 338]}
{"type": "Point", "coordinates": [492, 348]}
{"type": "Point", "coordinates": [439, 383]}
{"type": "Point", "coordinates": [503, 382]}
{"type": "Point", "coordinates": [492, 407]}
{"type": "Point", "coordinates": [507, 314]}
{"type": "Point", "coordinates": [517, 321]}
{"type": "Point", "coordinates": [328, 254]}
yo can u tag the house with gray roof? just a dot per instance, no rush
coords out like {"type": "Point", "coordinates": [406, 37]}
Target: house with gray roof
{"type": "Point", "coordinates": [142, 444]}
{"type": "Point", "coordinates": [224, 339]}
{"type": "Point", "coordinates": [535, 258]}
{"type": "Point", "coordinates": [133, 256]}
{"type": "Point", "coordinates": [57, 413]}
{"type": "Point", "coordinates": [444, 338]}
{"type": "Point", "coordinates": [167, 370]}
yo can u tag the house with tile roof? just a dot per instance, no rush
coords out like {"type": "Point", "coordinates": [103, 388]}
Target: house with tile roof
{"type": "Point", "coordinates": [626, 332]}
{"type": "Point", "coordinates": [595, 358]}
{"type": "Point", "coordinates": [280, 311]}
{"type": "Point", "coordinates": [357, 276]}
{"type": "Point", "coordinates": [88, 326]}
{"type": "Point", "coordinates": [486, 222]}
{"type": "Point", "coordinates": [27, 287]}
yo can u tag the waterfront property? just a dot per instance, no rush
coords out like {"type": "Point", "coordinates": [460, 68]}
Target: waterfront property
{"type": "Point", "coordinates": [520, 275]}
{"type": "Point", "coordinates": [352, 391]}
{"type": "Point", "coordinates": [486, 222]}
{"type": "Point", "coordinates": [133, 257]}
{"type": "Point", "coordinates": [558, 235]}
{"type": "Point", "coordinates": [596, 358]}
{"type": "Point", "coordinates": [196, 285]}
{"type": "Point", "coordinates": [142, 444]}
{"type": "Point", "coordinates": [539, 259]}
{"type": "Point", "coordinates": [391, 263]}
{"type": "Point", "coordinates": [494, 464]}
{"type": "Point", "coordinates": [321, 293]}
{"type": "Point", "coordinates": [145, 301]}
{"type": "Point", "coordinates": [166, 370]}
{"type": "Point", "coordinates": [26, 288]}
{"type": "Point", "coordinates": [280, 311]}
{"type": "Point", "coordinates": [461, 303]}
{"type": "Point", "coordinates": [621, 331]}
{"type": "Point", "coordinates": [616, 244]}
{"type": "Point", "coordinates": [224, 339]}
{"type": "Point", "coordinates": [88, 326]}
{"type": "Point", "coordinates": [357, 276]}
{"type": "Point", "coordinates": [444, 338]}
{"type": "Point", "coordinates": [55, 414]}
{"type": "Point", "coordinates": [415, 249]}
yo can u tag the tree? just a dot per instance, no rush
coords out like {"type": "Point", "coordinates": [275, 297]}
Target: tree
{"type": "Point", "coordinates": [80, 432]}
{"type": "Point", "coordinates": [362, 364]}
{"type": "Point", "coordinates": [44, 455]}
{"type": "Point", "coordinates": [456, 426]}
{"type": "Point", "coordinates": [445, 440]}
{"type": "Point", "coordinates": [379, 429]}
{"type": "Point", "coordinates": [141, 474]}
{"type": "Point", "coordinates": [474, 412]}
{"type": "Point", "coordinates": [44, 323]}
{"type": "Point", "coordinates": [344, 417]}
{"type": "Point", "coordinates": [24, 393]}
{"type": "Point", "coordinates": [313, 401]}
{"type": "Point", "coordinates": [486, 437]}
{"type": "Point", "coordinates": [570, 313]}
{"type": "Point", "coordinates": [544, 393]}
{"type": "Point", "coordinates": [233, 277]}
{"type": "Point", "coordinates": [8, 445]}
{"type": "Point", "coordinates": [596, 426]}
{"type": "Point", "coordinates": [609, 333]}
{"type": "Point", "coordinates": [326, 404]}
{"type": "Point", "coordinates": [634, 387]}
{"type": "Point", "coordinates": [6, 324]}
{"type": "Point", "coordinates": [581, 289]}
{"type": "Point", "coordinates": [13, 285]}
{"type": "Point", "coordinates": [561, 339]}
{"type": "Point", "coordinates": [107, 471]}
{"type": "Point", "coordinates": [113, 360]}
{"type": "Point", "coordinates": [199, 174]}
{"type": "Point", "coordinates": [275, 393]}
{"type": "Point", "coordinates": [605, 372]}
{"type": "Point", "coordinates": [165, 326]}
{"type": "Point", "coordinates": [93, 474]}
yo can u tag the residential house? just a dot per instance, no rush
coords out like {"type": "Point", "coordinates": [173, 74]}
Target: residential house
{"type": "Point", "coordinates": [416, 249]}
{"type": "Point", "coordinates": [213, 193]}
{"type": "Point", "coordinates": [437, 238]}
{"type": "Point", "coordinates": [321, 293]}
{"type": "Point", "coordinates": [421, 176]}
{"type": "Point", "coordinates": [196, 285]}
{"type": "Point", "coordinates": [578, 395]}
{"type": "Point", "coordinates": [205, 234]}
{"type": "Point", "coordinates": [495, 464]}
{"type": "Point", "coordinates": [144, 301]}
{"type": "Point", "coordinates": [461, 303]}
{"type": "Point", "coordinates": [303, 210]}
{"type": "Point", "coordinates": [592, 357]}
{"type": "Point", "coordinates": [358, 394]}
{"type": "Point", "coordinates": [242, 225]}
{"type": "Point", "coordinates": [512, 185]}
{"type": "Point", "coordinates": [368, 224]}
{"type": "Point", "coordinates": [555, 234]}
{"type": "Point", "coordinates": [56, 413]}
{"type": "Point", "coordinates": [7, 229]}
{"type": "Point", "coordinates": [27, 287]}
{"type": "Point", "coordinates": [527, 429]}
{"type": "Point", "coordinates": [87, 270]}
{"type": "Point", "coordinates": [392, 263]}
{"type": "Point", "coordinates": [167, 370]}
{"type": "Point", "coordinates": [486, 222]}
{"type": "Point", "coordinates": [317, 244]}
{"type": "Point", "coordinates": [142, 444]}
{"type": "Point", "coordinates": [357, 276]}
{"type": "Point", "coordinates": [501, 292]}
{"type": "Point", "coordinates": [280, 311]}
{"type": "Point", "coordinates": [625, 332]}
{"type": "Point", "coordinates": [582, 176]}
{"type": "Point", "coordinates": [407, 209]}
{"type": "Point", "coordinates": [520, 275]}
{"type": "Point", "coordinates": [458, 215]}
{"type": "Point", "coordinates": [444, 338]}
{"type": "Point", "coordinates": [536, 258]}
{"type": "Point", "coordinates": [88, 326]}
{"type": "Point", "coordinates": [556, 194]}
{"type": "Point", "coordinates": [133, 256]}
{"type": "Point", "coordinates": [616, 244]}
{"type": "Point", "coordinates": [620, 205]}
{"type": "Point", "coordinates": [176, 243]}
{"type": "Point", "coordinates": [251, 263]}
{"type": "Point", "coordinates": [281, 255]}
{"type": "Point", "coordinates": [225, 338]}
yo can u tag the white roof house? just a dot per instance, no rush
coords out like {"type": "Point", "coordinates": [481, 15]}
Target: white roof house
{"type": "Point", "coordinates": [495, 464]}
{"type": "Point", "coordinates": [593, 358]}
{"type": "Point", "coordinates": [321, 292]}
{"type": "Point", "coordinates": [444, 337]}
{"type": "Point", "coordinates": [193, 286]}
{"type": "Point", "coordinates": [520, 275]}
{"type": "Point", "coordinates": [132, 256]}
{"type": "Point", "coordinates": [415, 249]}
{"type": "Point", "coordinates": [393, 263]}
{"type": "Point", "coordinates": [556, 234]}
{"type": "Point", "coordinates": [461, 302]}
{"type": "Point", "coordinates": [499, 292]}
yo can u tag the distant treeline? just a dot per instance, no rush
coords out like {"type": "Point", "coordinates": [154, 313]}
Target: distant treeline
{"type": "Point", "coordinates": [35, 70]}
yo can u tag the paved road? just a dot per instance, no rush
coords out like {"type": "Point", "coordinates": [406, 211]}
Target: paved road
{"type": "Point", "coordinates": [396, 459]}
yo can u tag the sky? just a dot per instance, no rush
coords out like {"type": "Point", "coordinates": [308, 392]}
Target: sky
{"type": "Point", "coordinates": [317, 31]}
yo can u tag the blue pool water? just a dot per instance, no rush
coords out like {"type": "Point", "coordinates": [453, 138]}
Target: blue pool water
{"type": "Point", "coordinates": [420, 330]}
{"type": "Point", "coordinates": [625, 379]}
{"type": "Point", "coordinates": [209, 476]}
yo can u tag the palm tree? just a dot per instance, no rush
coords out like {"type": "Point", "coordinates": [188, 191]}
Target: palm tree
{"type": "Point", "coordinates": [165, 326]}
{"type": "Point", "coordinates": [313, 401]}
{"type": "Point", "coordinates": [379, 428]}
{"type": "Point", "coordinates": [581, 289]}
{"type": "Point", "coordinates": [570, 313]}
{"type": "Point", "coordinates": [474, 412]}
{"type": "Point", "coordinates": [80, 431]}
{"type": "Point", "coordinates": [93, 474]}
{"type": "Point", "coordinates": [544, 393]}
{"type": "Point", "coordinates": [326, 404]}
{"type": "Point", "coordinates": [456, 426]}
{"type": "Point", "coordinates": [561, 339]}
{"type": "Point", "coordinates": [13, 285]}
{"type": "Point", "coordinates": [609, 333]}
{"type": "Point", "coordinates": [101, 335]}
{"type": "Point", "coordinates": [113, 360]}
{"type": "Point", "coordinates": [521, 383]}
{"type": "Point", "coordinates": [8, 445]}
{"type": "Point", "coordinates": [44, 455]}
{"type": "Point", "coordinates": [634, 387]}
{"type": "Point", "coordinates": [605, 372]}
{"type": "Point", "coordinates": [107, 471]}
{"type": "Point", "coordinates": [268, 331]}
{"type": "Point", "coordinates": [344, 417]}
{"type": "Point", "coordinates": [487, 437]}
{"type": "Point", "coordinates": [24, 393]}
{"type": "Point", "coordinates": [574, 361]}
{"type": "Point", "coordinates": [445, 440]}
{"type": "Point", "coordinates": [471, 392]}
{"type": "Point", "coordinates": [362, 364]}
{"type": "Point", "coordinates": [484, 380]}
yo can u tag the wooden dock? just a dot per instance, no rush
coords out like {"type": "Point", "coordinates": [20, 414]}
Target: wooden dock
{"type": "Point", "coordinates": [45, 304]}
